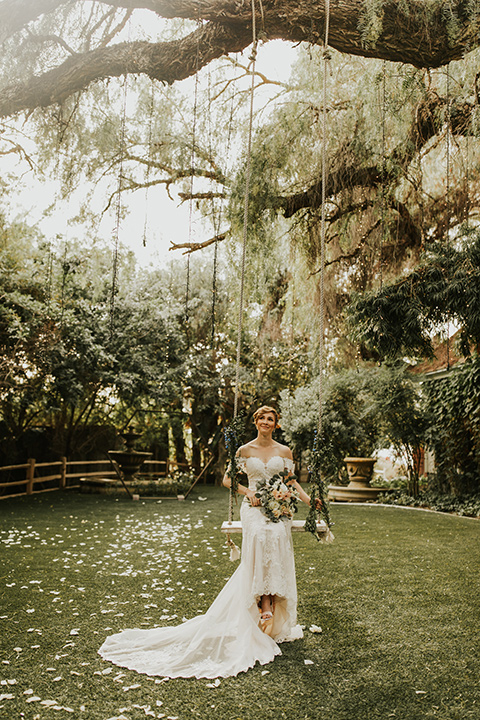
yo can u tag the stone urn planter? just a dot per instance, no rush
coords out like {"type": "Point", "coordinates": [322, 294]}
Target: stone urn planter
{"type": "Point", "coordinates": [360, 471]}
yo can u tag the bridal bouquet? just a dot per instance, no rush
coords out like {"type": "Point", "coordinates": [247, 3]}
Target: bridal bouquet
{"type": "Point", "coordinates": [279, 500]}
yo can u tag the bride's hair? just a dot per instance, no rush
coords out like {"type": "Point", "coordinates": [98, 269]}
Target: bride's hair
{"type": "Point", "coordinates": [263, 411]}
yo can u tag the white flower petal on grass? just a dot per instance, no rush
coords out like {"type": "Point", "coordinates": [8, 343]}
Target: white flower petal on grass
{"type": "Point", "coordinates": [315, 629]}
{"type": "Point", "coordinates": [132, 687]}
{"type": "Point", "coordinates": [7, 696]}
{"type": "Point", "coordinates": [214, 684]}
{"type": "Point", "coordinates": [420, 692]}
{"type": "Point", "coordinates": [48, 703]}
{"type": "Point", "coordinates": [309, 662]}
{"type": "Point", "coordinates": [74, 631]}
{"type": "Point", "coordinates": [28, 692]}
{"type": "Point", "coordinates": [107, 671]}
{"type": "Point", "coordinates": [118, 717]}
{"type": "Point", "coordinates": [265, 672]}
{"type": "Point", "coordinates": [30, 610]}
{"type": "Point", "coordinates": [18, 649]}
{"type": "Point", "coordinates": [34, 698]}
{"type": "Point", "coordinates": [57, 679]}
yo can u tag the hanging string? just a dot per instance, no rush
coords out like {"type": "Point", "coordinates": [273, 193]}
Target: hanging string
{"type": "Point", "coordinates": [118, 210]}
{"type": "Point", "coordinates": [384, 162]}
{"type": "Point", "coordinates": [318, 489]}
{"type": "Point", "coordinates": [233, 432]}
{"type": "Point", "coordinates": [149, 159]}
{"type": "Point", "coordinates": [448, 208]}
{"type": "Point", "coordinates": [253, 58]}
{"type": "Point", "coordinates": [192, 175]}
{"type": "Point", "coordinates": [326, 59]}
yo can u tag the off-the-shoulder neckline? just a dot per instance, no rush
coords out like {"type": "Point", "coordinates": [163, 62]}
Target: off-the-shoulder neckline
{"type": "Point", "coordinates": [254, 457]}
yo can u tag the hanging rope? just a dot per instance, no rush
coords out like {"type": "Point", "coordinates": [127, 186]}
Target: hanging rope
{"type": "Point", "coordinates": [192, 176]}
{"type": "Point", "coordinates": [448, 208]}
{"type": "Point", "coordinates": [318, 489]}
{"type": "Point", "coordinates": [118, 210]}
{"type": "Point", "coordinates": [149, 159]}
{"type": "Point", "coordinates": [253, 58]}
{"type": "Point", "coordinates": [234, 433]}
{"type": "Point", "coordinates": [384, 162]}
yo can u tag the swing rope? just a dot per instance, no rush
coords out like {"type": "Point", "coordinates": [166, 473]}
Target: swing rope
{"type": "Point", "coordinates": [192, 176]}
{"type": "Point", "coordinates": [318, 489]}
{"type": "Point", "coordinates": [233, 432]}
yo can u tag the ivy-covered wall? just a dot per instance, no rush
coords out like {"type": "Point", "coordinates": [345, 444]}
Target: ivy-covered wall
{"type": "Point", "coordinates": [454, 407]}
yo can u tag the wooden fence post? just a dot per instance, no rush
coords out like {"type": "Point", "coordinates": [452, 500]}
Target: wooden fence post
{"type": "Point", "coordinates": [63, 473]}
{"type": "Point", "coordinates": [30, 475]}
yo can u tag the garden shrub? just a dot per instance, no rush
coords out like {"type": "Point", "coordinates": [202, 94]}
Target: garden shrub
{"type": "Point", "coordinates": [454, 434]}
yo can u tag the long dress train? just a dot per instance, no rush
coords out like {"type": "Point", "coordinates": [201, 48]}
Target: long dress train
{"type": "Point", "coordinates": [227, 639]}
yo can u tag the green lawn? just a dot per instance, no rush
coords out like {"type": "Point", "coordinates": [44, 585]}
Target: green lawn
{"type": "Point", "coordinates": [397, 597]}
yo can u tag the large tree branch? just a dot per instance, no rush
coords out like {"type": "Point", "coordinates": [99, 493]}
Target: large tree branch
{"type": "Point", "coordinates": [417, 32]}
{"type": "Point", "coordinates": [347, 173]}
{"type": "Point", "coordinates": [167, 61]}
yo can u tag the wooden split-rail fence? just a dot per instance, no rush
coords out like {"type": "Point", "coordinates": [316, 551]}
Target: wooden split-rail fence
{"type": "Point", "coordinates": [36, 477]}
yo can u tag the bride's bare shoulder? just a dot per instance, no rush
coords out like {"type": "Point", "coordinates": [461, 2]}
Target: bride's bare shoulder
{"type": "Point", "coordinates": [245, 450]}
{"type": "Point", "coordinates": [284, 451]}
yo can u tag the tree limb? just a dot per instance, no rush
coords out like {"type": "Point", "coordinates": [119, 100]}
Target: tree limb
{"type": "Point", "coordinates": [191, 247]}
{"type": "Point", "coordinates": [407, 33]}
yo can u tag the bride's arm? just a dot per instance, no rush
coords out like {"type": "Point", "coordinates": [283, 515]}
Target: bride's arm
{"type": "Point", "coordinates": [242, 490]}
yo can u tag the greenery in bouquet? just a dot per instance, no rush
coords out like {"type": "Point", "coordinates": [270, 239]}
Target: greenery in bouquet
{"type": "Point", "coordinates": [279, 500]}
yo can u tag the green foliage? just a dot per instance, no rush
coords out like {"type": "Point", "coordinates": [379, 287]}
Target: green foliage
{"type": "Point", "coordinates": [350, 425]}
{"type": "Point", "coordinates": [362, 411]}
{"type": "Point", "coordinates": [454, 405]}
{"type": "Point", "coordinates": [465, 505]}
{"type": "Point", "coordinates": [401, 318]}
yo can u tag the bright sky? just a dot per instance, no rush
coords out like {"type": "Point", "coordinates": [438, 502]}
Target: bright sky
{"type": "Point", "coordinates": [164, 220]}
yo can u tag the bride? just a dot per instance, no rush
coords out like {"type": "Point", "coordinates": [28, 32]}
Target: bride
{"type": "Point", "coordinates": [256, 609]}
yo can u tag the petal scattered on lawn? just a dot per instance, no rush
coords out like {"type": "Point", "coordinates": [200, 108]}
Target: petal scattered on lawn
{"type": "Point", "coordinates": [6, 696]}
{"type": "Point", "coordinates": [34, 698]}
{"type": "Point", "coordinates": [214, 684]}
{"type": "Point", "coordinates": [309, 662]}
{"type": "Point", "coordinates": [315, 629]}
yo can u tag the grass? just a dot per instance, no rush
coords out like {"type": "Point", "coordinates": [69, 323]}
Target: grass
{"type": "Point", "coordinates": [396, 596]}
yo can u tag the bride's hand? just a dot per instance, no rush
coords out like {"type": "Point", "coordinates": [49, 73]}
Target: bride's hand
{"type": "Point", "coordinates": [253, 499]}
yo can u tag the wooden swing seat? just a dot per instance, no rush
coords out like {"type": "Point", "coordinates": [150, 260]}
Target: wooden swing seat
{"type": "Point", "coordinates": [235, 526]}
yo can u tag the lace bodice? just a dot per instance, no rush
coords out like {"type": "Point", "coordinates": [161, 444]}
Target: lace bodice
{"type": "Point", "coordinates": [257, 470]}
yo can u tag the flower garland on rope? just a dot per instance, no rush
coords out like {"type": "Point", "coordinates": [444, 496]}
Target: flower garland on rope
{"type": "Point", "coordinates": [318, 492]}
{"type": "Point", "coordinates": [233, 440]}
{"type": "Point", "coordinates": [233, 434]}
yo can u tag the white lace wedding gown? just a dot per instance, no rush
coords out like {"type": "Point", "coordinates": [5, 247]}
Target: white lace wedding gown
{"type": "Point", "coordinates": [227, 639]}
